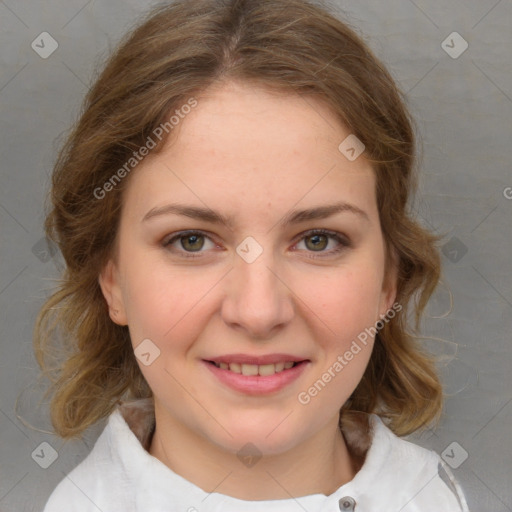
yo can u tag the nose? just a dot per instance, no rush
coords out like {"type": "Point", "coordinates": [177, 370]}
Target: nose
{"type": "Point", "coordinates": [257, 299]}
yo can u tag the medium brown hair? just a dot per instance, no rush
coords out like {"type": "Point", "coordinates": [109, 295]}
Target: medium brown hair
{"type": "Point", "coordinates": [178, 51]}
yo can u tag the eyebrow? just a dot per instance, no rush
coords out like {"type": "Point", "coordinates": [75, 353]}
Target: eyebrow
{"type": "Point", "coordinates": [293, 217]}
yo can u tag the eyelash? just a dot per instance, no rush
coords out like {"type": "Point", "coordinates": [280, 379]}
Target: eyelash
{"type": "Point", "coordinates": [343, 241]}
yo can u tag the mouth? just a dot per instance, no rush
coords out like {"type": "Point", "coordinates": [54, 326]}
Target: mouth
{"type": "Point", "coordinates": [263, 370]}
{"type": "Point", "coordinates": [257, 375]}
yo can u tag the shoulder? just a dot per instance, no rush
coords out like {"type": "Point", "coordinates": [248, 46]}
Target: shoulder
{"type": "Point", "coordinates": [99, 480]}
{"type": "Point", "coordinates": [400, 474]}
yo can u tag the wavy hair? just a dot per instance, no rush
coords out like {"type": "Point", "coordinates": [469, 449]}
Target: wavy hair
{"type": "Point", "coordinates": [176, 52]}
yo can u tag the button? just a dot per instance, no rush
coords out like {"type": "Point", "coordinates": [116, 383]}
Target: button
{"type": "Point", "coordinates": [347, 504]}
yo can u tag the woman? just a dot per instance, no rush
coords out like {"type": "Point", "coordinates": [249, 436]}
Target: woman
{"type": "Point", "coordinates": [233, 210]}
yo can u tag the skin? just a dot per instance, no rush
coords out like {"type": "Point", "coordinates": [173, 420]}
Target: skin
{"type": "Point", "coordinates": [254, 154]}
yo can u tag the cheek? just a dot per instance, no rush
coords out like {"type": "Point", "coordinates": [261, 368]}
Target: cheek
{"type": "Point", "coordinates": [344, 317]}
{"type": "Point", "coordinates": [165, 304]}
{"type": "Point", "coordinates": [347, 301]}
{"type": "Point", "coordinates": [170, 309]}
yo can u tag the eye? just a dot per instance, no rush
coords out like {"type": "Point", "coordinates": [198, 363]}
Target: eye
{"type": "Point", "coordinates": [317, 240]}
{"type": "Point", "coordinates": [189, 244]}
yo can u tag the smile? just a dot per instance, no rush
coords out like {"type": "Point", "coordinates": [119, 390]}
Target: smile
{"type": "Point", "coordinates": [262, 370]}
{"type": "Point", "coordinates": [256, 379]}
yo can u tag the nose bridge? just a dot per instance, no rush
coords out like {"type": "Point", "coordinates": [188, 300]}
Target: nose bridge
{"type": "Point", "coordinates": [257, 299]}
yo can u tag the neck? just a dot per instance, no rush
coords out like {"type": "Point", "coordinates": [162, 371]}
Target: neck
{"type": "Point", "coordinates": [318, 466]}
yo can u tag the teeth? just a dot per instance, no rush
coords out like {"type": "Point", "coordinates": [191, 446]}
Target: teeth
{"type": "Point", "coordinates": [253, 369]}
{"type": "Point", "coordinates": [235, 367]}
{"type": "Point", "coordinates": [249, 369]}
{"type": "Point", "coordinates": [267, 369]}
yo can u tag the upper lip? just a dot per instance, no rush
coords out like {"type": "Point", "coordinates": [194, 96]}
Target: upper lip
{"type": "Point", "coordinates": [258, 360]}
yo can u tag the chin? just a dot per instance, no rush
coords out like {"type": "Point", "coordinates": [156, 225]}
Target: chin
{"type": "Point", "coordinates": [268, 436]}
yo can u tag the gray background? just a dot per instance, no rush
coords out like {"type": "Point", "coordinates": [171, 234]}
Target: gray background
{"type": "Point", "coordinates": [463, 107]}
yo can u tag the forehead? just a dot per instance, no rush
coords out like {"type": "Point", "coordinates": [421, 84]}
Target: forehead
{"type": "Point", "coordinates": [236, 118]}
{"type": "Point", "coordinates": [248, 147]}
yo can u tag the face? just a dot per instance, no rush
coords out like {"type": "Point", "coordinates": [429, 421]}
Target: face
{"type": "Point", "coordinates": [266, 284]}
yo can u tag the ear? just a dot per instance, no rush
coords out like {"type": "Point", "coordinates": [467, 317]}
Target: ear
{"type": "Point", "coordinates": [110, 286]}
{"type": "Point", "coordinates": [389, 285]}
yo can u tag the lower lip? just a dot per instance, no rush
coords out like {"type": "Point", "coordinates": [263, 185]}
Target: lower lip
{"type": "Point", "coordinates": [256, 384]}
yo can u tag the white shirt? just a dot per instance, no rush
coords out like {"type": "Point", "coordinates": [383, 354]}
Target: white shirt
{"type": "Point", "coordinates": [120, 475]}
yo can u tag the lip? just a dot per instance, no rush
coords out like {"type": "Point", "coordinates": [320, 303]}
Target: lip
{"type": "Point", "coordinates": [256, 384]}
